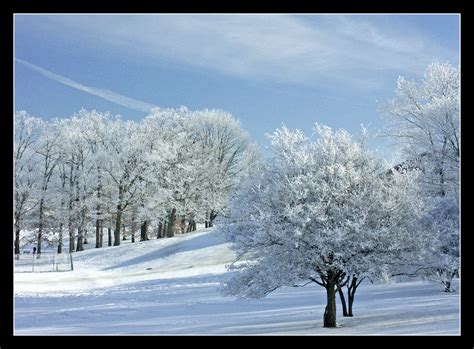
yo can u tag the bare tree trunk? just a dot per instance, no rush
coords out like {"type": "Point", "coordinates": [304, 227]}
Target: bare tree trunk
{"type": "Point", "coordinates": [212, 216]}
{"type": "Point", "coordinates": [442, 191]}
{"type": "Point", "coordinates": [98, 223]}
{"type": "Point", "coordinates": [101, 233]}
{"type": "Point", "coordinates": [98, 229]}
{"type": "Point", "coordinates": [109, 236]}
{"type": "Point", "coordinates": [40, 227]}
{"type": "Point", "coordinates": [183, 224]}
{"type": "Point", "coordinates": [160, 227]}
{"type": "Point", "coordinates": [17, 224]}
{"type": "Point", "coordinates": [118, 221]}
{"type": "Point", "coordinates": [60, 242]}
{"type": "Point", "coordinates": [330, 311]}
{"type": "Point", "coordinates": [351, 302]}
{"type": "Point", "coordinates": [17, 240]}
{"type": "Point", "coordinates": [343, 301]}
{"type": "Point", "coordinates": [351, 290]}
{"type": "Point", "coordinates": [71, 236]}
{"type": "Point", "coordinates": [80, 230]}
{"type": "Point", "coordinates": [144, 231]}
{"type": "Point", "coordinates": [80, 240]}
{"type": "Point", "coordinates": [171, 222]}
{"type": "Point", "coordinates": [70, 207]}
{"type": "Point", "coordinates": [118, 226]}
{"type": "Point", "coordinates": [448, 280]}
{"type": "Point", "coordinates": [191, 224]}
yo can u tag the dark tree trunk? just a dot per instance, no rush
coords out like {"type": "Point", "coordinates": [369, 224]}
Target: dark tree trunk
{"type": "Point", "coordinates": [17, 226]}
{"type": "Point", "coordinates": [212, 216]}
{"type": "Point", "coordinates": [118, 226]}
{"type": "Point", "coordinates": [81, 236]}
{"type": "Point", "coordinates": [171, 222]}
{"type": "Point", "coordinates": [183, 225]}
{"type": "Point", "coordinates": [98, 223]}
{"type": "Point", "coordinates": [144, 231]}
{"type": "Point", "coordinates": [118, 221]}
{"type": "Point", "coordinates": [60, 242]}
{"type": "Point", "coordinates": [40, 228]}
{"type": "Point", "coordinates": [191, 224]}
{"type": "Point", "coordinates": [351, 290]}
{"type": "Point", "coordinates": [71, 236]}
{"type": "Point", "coordinates": [63, 206]}
{"type": "Point", "coordinates": [351, 302]}
{"type": "Point", "coordinates": [206, 224]}
{"type": "Point", "coordinates": [447, 282]}
{"type": "Point", "coordinates": [70, 207]}
{"type": "Point", "coordinates": [442, 190]}
{"type": "Point", "coordinates": [343, 301]}
{"type": "Point", "coordinates": [101, 233]}
{"type": "Point", "coordinates": [160, 227]}
{"type": "Point", "coordinates": [98, 230]}
{"type": "Point", "coordinates": [80, 240]}
{"type": "Point", "coordinates": [109, 236]}
{"type": "Point", "coordinates": [330, 311]}
{"type": "Point", "coordinates": [17, 241]}
{"type": "Point", "coordinates": [133, 237]}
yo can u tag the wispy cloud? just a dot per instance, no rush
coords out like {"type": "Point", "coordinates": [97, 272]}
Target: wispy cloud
{"type": "Point", "coordinates": [351, 50]}
{"type": "Point", "coordinates": [102, 93]}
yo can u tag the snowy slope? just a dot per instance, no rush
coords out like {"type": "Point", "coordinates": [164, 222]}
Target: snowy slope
{"type": "Point", "coordinates": [169, 286]}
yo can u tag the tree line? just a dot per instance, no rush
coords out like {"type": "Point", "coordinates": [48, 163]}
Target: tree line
{"type": "Point", "coordinates": [94, 173]}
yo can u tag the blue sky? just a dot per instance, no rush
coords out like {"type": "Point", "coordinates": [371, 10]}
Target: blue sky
{"type": "Point", "coordinates": [264, 69]}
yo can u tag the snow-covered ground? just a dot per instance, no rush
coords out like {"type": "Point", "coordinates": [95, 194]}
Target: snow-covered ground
{"type": "Point", "coordinates": [170, 286]}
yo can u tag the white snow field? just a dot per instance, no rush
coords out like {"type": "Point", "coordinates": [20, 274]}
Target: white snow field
{"type": "Point", "coordinates": [170, 286]}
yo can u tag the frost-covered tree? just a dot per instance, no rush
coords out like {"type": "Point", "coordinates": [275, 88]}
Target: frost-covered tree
{"type": "Point", "coordinates": [81, 181]}
{"type": "Point", "coordinates": [26, 128]}
{"type": "Point", "coordinates": [222, 149]}
{"type": "Point", "coordinates": [318, 211]}
{"type": "Point", "coordinates": [49, 155]}
{"type": "Point", "coordinates": [438, 261]}
{"type": "Point", "coordinates": [123, 168]}
{"type": "Point", "coordinates": [94, 132]}
{"type": "Point", "coordinates": [195, 160]}
{"type": "Point", "coordinates": [424, 119]}
{"type": "Point", "coordinates": [169, 176]}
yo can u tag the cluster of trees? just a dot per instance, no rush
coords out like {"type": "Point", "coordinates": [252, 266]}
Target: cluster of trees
{"type": "Point", "coordinates": [323, 209]}
{"type": "Point", "coordinates": [327, 210]}
{"type": "Point", "coordinates": [92, 173]}
{"type": "Point", "coordinates": [424, 121]}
